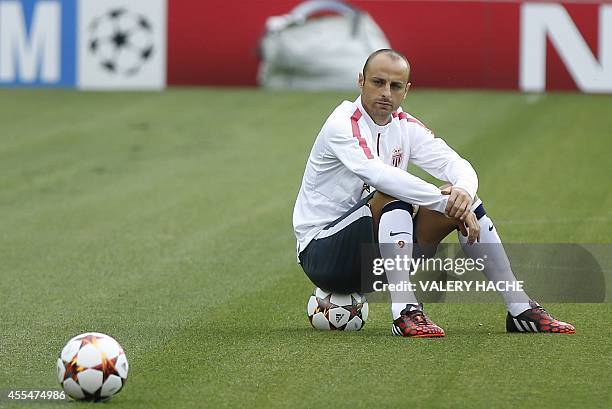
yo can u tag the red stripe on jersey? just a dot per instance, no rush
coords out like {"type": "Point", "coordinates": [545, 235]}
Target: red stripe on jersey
{"type": "Point", "coordinates": [403, 115]}
{"type": "Point", "coordinates": [357, 134]}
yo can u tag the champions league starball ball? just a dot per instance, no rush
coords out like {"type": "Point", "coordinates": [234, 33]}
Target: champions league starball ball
{"type": "Point", "coordinates": [92, 367]}
{"type": "Point", "coordinates": [333, 311]}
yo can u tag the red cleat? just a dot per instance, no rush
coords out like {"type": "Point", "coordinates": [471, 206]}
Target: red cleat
{"type": "Point", "coordinates": [413, 322]}
{"type": "Point", "coordinates": [537, 319]}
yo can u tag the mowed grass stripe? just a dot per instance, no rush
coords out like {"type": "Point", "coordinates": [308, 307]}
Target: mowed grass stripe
{"type": "Point", "coordinates": [532, 162]}
{"type": "Point", "coordinates": [162, 296]}
{"type": "Point", "coordinates": [268, 365]}
{"type": "Point", "coordinates": [175, 236]}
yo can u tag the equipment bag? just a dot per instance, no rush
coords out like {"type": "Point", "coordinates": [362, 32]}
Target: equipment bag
{"type": "Point", "coordinates": [326, 52]}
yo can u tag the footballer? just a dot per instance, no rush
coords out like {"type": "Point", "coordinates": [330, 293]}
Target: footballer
{"type": "Point", "coordinates": [356, 191]}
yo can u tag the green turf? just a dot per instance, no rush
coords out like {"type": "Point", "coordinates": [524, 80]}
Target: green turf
{"type": "Point", "coordinates": [164, 219]}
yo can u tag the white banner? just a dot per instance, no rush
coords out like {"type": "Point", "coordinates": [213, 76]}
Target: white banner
{"type": "Point", "coordinates": [121, 44]}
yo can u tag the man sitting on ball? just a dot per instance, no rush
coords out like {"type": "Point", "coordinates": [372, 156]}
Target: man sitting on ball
{"type": "Point", "coordinates": [368, 144]}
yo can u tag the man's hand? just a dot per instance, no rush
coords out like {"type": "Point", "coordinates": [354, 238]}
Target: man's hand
{"type": "Point", "coordinates": [459, 202]}
{"type": "Point", "coordinates": [470, 228]}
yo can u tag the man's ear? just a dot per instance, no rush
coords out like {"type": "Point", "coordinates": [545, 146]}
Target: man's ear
{"type": "Point", "coordinates": [407, 88]}
{"type": "Point", "coordinates": [360, 80]}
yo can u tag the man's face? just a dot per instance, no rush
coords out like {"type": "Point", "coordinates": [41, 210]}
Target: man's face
{"type": "Point", "coordinates": [384, 86]}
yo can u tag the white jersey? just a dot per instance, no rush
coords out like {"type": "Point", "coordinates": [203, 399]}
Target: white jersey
{"type": "Point", "coordinates": [352, 151]}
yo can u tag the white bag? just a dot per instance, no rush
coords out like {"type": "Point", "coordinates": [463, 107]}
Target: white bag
{"type": "Point", "coordinates": [327, 52]}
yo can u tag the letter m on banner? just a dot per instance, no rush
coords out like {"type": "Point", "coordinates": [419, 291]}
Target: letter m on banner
{"type": "Point", "coordinates": [539, 21]}
{"type": "Point", "coordinates": [37, 43]}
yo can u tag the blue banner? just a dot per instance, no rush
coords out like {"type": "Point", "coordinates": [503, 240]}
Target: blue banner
{"type": "Point", "coordinates": [38, 43]}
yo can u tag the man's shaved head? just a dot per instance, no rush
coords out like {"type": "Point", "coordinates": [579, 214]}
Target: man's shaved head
{"type": "Point", "coordinates": [387, 51]}
{"type": "Point", "coordinates": [384, 84]}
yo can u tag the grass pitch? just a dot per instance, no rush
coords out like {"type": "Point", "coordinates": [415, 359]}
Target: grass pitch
{"type": "Point", "coordinates": [164, 220]}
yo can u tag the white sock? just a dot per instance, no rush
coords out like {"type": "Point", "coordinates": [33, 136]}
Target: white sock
{"type": "Point", "coordinates": [496, 263]}
{"type": "Point", "coordinates": [395, 239]}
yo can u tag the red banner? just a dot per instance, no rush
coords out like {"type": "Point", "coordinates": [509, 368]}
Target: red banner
{"type": "Point", "coordinates": [450, 44]}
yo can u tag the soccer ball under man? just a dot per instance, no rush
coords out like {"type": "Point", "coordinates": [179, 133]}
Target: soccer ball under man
{"type": "Point", "coordinates": [333, 311]}
{"type": "Point", "coordinates": [92, 366]}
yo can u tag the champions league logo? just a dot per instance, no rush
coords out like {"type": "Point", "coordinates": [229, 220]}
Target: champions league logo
{"type": "Point", "coordinates": [121, 41]}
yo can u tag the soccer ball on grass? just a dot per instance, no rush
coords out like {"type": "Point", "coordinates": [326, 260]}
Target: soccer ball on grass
{"type": "Point", "coordinates": [92, 366]}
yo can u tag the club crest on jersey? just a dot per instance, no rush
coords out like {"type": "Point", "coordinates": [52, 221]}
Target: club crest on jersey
{"type": "Point", "coordinates": [396, 156]}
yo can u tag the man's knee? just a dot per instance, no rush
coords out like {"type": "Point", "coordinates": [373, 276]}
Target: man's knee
{"type": "Point", "coordinates": [378, 202]}
{"type": "Point", "coordinates": [381, 202]}
{"type": "Point", "coordinates": [380, 199]}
